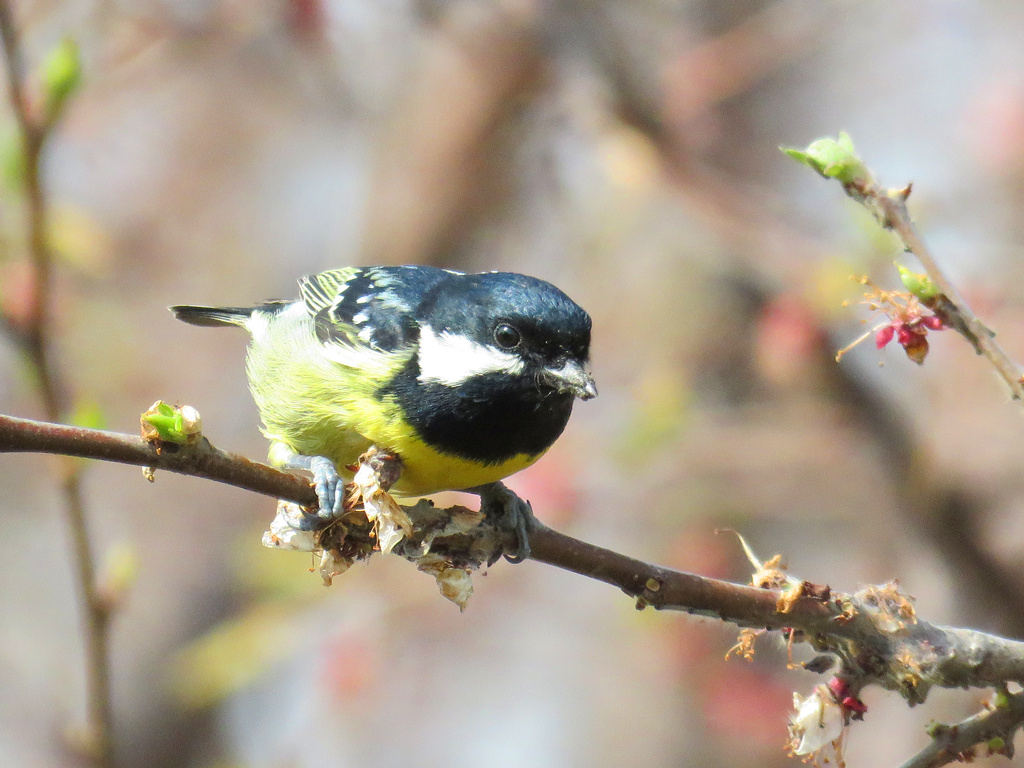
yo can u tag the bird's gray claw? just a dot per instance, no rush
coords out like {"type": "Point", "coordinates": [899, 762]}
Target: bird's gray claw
{"type": "Point", "coordinates": [330, 489]}
{"type": "Point", "coordinates": [511, 514]}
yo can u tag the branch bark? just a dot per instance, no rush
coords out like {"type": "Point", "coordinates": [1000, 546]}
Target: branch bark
{"type": "Point", "coordinates": [996, 727]}
{"type": "Point", "coordinates": [201, 460]}
{"type": "Point", "coordinates": [874, 631]}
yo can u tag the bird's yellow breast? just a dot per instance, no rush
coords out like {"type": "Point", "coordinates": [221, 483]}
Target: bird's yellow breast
{"type": "Point", "coordinates": [315, 406]}
{"type": "Point", "coordinates": [426, 470]}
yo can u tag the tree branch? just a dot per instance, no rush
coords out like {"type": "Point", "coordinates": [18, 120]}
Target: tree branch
{"type": "Point", "coordinates": [837, 159]}
{"type": "Point", "coordinates": [33, 134]}
{"type": "Point", "coordinates": [954, 309]}
{"type": "Point", "coordinates": [200, 460]}
{"type": "Point", "coordinates": [874, 632]}
{"type": "Point", "coordinates": [996, 727]}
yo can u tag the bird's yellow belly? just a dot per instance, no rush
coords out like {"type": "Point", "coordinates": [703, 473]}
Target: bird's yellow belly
{"type": "Point", "coordinates": [424, 469]}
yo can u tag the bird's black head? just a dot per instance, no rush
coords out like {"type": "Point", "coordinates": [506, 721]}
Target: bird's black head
{"type": "Point", "coordinates": [508, 325]}
{"type": "Point", "coordinates": [500, 359]}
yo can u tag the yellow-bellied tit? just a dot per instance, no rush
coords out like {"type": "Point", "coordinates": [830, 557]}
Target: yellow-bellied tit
{"type": "Point", "coordinates": [467, 378]}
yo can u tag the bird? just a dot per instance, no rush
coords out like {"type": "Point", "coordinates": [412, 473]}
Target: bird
{"type": "Point", "coordinates": [466, 377]}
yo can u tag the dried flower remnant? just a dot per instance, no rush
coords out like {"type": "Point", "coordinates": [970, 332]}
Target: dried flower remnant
{"type": "Point", "coordinates": [371, 520]}
{"type": "Point", "coordinates": [744, 647]}
{"type": "Point", "coordinates": [894, 608]}
{"type": "Point", "coordinates": [853, 707]}
{"type": "Point", "coordinates": [391, 523]}
{"type": "Point", "coordinates": [456, 584]}
{"type": "Point", "coordinates": [287, 529]}
{"type": "Point", "coordinates": [816, 727]}
{"type": "Point", "coordinates": [907, 320]}
{"type": "Point", "coordinates": [771, 574]}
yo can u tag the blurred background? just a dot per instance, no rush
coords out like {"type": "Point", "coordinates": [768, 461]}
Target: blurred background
{"type": "Point", "coordinates": [626, 152]}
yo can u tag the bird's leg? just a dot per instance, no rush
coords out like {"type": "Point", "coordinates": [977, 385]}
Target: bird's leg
{"type": "Point", "coordinates": [508, 513]}
{"type": "Point", "coordinates": [330, 488]}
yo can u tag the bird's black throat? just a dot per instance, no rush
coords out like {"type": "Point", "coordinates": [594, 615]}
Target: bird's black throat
{"type": "Point", "coordinates": [489, 418]}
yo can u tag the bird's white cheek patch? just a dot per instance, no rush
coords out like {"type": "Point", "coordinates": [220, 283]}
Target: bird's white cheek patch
{"type": "Point", "coordinates": [446, 358]}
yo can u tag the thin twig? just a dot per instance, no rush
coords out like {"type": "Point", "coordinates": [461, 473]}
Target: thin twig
{"type": "Point", "coordinates": [34, 338]}
{"type": "Point", "coordinates": [33, 135]}
{"type": "Point", "coordinates": [837, 159]}
{"type": "Point", "coordinates": [956, 743]}
{"type": "Point", "coordinates": [955, 310]}
{"type": "Point", "coordinates": [200, 460]}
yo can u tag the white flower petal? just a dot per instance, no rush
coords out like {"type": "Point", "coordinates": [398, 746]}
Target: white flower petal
{"type": "Point", "coordinates": [284, 531]}
{"type": "Point", "coordinates": [818, 722]}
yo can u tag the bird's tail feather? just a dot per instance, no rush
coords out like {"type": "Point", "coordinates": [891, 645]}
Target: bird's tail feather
{"type": "Point", "coordinates": [213, 316]}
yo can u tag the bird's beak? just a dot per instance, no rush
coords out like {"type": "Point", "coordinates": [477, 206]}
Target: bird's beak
{"type": "Point", "coordinates": [571, 377]}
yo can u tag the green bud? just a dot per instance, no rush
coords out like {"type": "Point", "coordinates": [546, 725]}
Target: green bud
{"type": "Point", "coordinates": [996, 744]}
{"type": "Point", "coordinates": [171, 424]}
{"type": "Point", "coordinates": [918, 284]}
{"type": "Point", "coordinates": [833, 159]}
{"type": "Point", "coordinates": [61, 76]}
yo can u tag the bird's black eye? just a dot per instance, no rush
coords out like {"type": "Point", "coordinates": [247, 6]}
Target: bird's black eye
{"type": "Point", "coordinates": [506, 337]}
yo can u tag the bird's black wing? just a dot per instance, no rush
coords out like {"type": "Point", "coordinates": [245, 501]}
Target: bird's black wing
{"type": "Point", "coordinates": [368, 306]}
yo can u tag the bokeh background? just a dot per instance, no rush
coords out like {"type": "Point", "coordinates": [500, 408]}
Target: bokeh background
{"type": "Point", "coordinates": [628, 153]}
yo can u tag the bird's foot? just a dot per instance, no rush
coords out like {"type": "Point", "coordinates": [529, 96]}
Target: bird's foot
{"type": "Point", "coordinates": [330, 489]}
{"type": "Point", "coordinates": [510, 514]}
